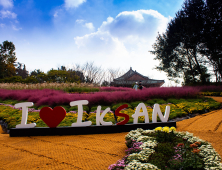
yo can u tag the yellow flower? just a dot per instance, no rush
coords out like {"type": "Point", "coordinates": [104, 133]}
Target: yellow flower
{"type": "Point", "coordinates": [172, 129]}
{"type": "Point", "coordinates": [158, 129]}
{"type": "Point", "coordinates": [166, 129]}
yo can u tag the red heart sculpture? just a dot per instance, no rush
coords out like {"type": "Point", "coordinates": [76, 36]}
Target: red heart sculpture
{"type": "Point", "coordinates": [52, 117]}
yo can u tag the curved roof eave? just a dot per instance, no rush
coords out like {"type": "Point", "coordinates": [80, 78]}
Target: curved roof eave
{"type": "Point", "coordinates": [129, 74]}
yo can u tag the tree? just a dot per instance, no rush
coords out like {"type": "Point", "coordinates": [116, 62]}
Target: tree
{"type": "Point", "coordinates": [75, 76]}
{"type": "Point", "coordinates": [63, 68]}
{"type": "Point", "coordinates": [57, 76]}
{"type": "Point", "coordinates": [105, 83]}
{"type": "Point", "coordinates": [21, 71]}
{"type": "Point", "coordinates": [212, 42]}
{"type": "Point", "coordinates": [13, 79]}
{"type": "Point", "coordinates": [7, 59]}
{"type": "Point", "coordinates": [92, 73]}
{"type": "Point", "coordinates": [179, 48]}
{"type": "Point", "coordinates": [80, 75]}
{"type": "Point", "coordinates": [62, 76]}
{"type": "Point", "coordinates": [188, 78]}
{"type": "Point", "coordinates": [79, 72]}
{"type": "Point", "coordinates": [114, 73]}
{"type": "Point", "coordinates": [31, 79]}
{"type": "Point", "coordinates": [174, 63]}
{"type": "Point", "coordinates": [39, 75]}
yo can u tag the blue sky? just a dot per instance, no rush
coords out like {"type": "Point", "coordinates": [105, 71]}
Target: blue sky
{"type": "Point", "coordinates": [111, 33]}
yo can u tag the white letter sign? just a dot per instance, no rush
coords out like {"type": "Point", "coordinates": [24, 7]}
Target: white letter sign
{"type": "Point", "coordinates": [99, 119]}
{"type": "Point", "coordinates": [79, 122]}
{"type": "Point", "coordinates": [138, 113]}
{"type": "Point", "coordinates": [24, 107]}
{"type": "Point", "coordinates": [156, 110]}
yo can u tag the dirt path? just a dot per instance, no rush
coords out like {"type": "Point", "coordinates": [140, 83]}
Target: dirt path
{"type": "Point", "coordinates": [61, 152]}
{"type": "Point", "coordinates": [91, 152]}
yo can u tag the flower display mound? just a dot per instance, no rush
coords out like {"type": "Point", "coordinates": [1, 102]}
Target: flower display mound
{"type": "Point", "coordinates": [166, 149]}
{"type": "Point", "coordinates": [178, 108]}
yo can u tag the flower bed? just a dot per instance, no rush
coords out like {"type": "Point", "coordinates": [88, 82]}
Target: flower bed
{"type": "Point", "coordinates": [55, 97]}
{"type": "Point", "coordinates": [167, 149]}
{"type": "Point", "coordinates": [211, 93]}
{"type": "Point", "coordinates": [12, 116]}
{"type": "Point", "coordinates": [211, 88]}
{"type": "Point", "coordinates": [179, 108]}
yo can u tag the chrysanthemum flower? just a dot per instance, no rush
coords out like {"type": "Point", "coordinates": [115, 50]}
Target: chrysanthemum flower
{"type": "Point", "coordinates": [166, 129]}
{"type": "Point", "coordinates": [158, 129]}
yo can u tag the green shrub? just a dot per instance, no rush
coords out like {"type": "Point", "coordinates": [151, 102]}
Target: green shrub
{"type": "Point", "coordinates": [135, 104]}
{"type": "Point", "coordinates": [75, 108]}
{"type": "Point", "coordinates": [12, 102]}
{"type": "Point", "coordinates": [158, 159]}
{"type": "Point", "coordinates": [211, 93]}
{"type": "Point", "coordinates": [13, 79]}
{"type": "Point", "coordinates": [31, 79]}
{"type": "Point", "coordinates": [94, 108]}
{"type": "Point", "coordinates": [115, 106]}
{"type": "Point", "coordinates": [154, 101]}
{"type": "Point", "coordinates": [165, 148]}
{"type": "Point", "coordinates": [80, 89]}
{"type": "Point", "coordinates": [40, 107]}
{"type": "Point", "coordinates": [175, 101]}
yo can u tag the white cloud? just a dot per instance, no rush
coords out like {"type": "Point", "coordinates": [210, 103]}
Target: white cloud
{"type": "Point", "coordinates": [15, 28]}
{"type": "Point", "coordinates": [80, 21]}
{"type": "Point", "coordinates": [124, 41]}
{"type": "Point", "coordinates": [55, 14]}
{"type": "Point", "coordinates": [7, 14]}
{"type": "Point", "coordinates": [73, 3]}
{"type": "Point", "coordinates": [89, 26]}
{"type": "Point", "coordinates": [98, 40]}
{"type": "Point", "coordinates": [134, 29]}
{"type": "Point", "coordinates": [6, 3]}
{"type": "Point", "coordinates": [101, 47]}
{"type": "Point", "coordinates": [2, 25]}
{"type": "Point", "coordinates": [58, 13]}
{"type": "Point", "coordinates": [141, 23]}
{"type": "Point", "coordinates": [83, 23]}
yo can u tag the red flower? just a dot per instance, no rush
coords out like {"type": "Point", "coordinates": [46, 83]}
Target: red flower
{"type": "Point", "coordinates": [196, 150]}
{"type": "Point", "coordinates": [180, 144]}
{"type": "Point", "coordinates": [193, 145]}
{"type": "Point", "coordinates": [197, 143]}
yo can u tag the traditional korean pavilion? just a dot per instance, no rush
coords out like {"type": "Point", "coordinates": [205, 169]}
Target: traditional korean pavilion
{"type": "Point", "coordinates": [129, 79]}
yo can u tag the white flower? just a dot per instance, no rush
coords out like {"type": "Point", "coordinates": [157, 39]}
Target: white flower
{"type": "Point", "coordinates": [210, 157]}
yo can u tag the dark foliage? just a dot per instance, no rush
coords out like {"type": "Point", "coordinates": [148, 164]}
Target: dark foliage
{"type": "Point", "coordinates": [192, 40]}
{"type": "Point", "coordinates": [21, 71]}
{"type": "Point", "coordinates": [7, 59]}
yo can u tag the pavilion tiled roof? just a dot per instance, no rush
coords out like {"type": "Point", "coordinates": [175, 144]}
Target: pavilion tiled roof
{"type": "Point", "coordinates": [130, 77]}
{"type": "Point", "coordinates": [129, 74]}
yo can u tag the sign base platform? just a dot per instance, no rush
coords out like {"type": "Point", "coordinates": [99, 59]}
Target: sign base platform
{"type": "Point", "coordinates": [46, 131]}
